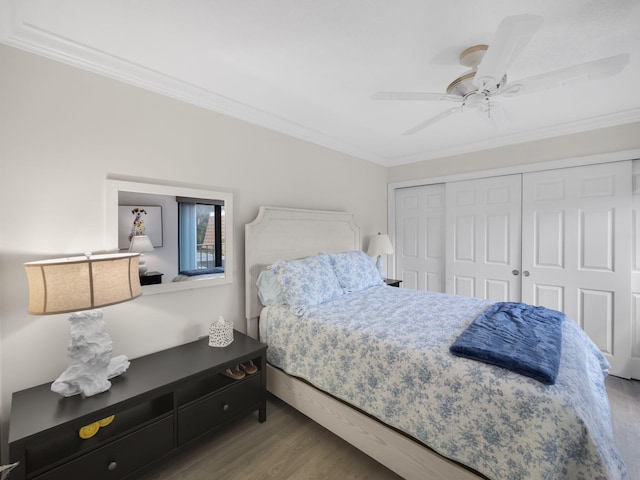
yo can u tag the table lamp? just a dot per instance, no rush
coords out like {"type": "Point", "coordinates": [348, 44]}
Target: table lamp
{"type": "Point", "coordinates": [141, 244]}
{"type": "Point", "coordinates": [378, 246]}
{"type": "Point", "coordinates": [82, 285]}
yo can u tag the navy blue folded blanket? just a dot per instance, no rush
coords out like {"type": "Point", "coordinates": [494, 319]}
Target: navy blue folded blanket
{"type": "Point", "coordinates": [202, 271]}
{"type": "Point", "coordinates": [520, 337]}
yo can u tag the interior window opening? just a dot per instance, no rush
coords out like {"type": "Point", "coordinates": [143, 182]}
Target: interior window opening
{"type": "Point", "coordinates": [201, 236]}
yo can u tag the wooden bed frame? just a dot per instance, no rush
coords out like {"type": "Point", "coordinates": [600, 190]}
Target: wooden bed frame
{"type": "Point", "coordinates": [283, 234]}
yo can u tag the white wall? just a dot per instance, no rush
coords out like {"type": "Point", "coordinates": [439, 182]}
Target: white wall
{"type": "Point", "coordinates": [64, 130]}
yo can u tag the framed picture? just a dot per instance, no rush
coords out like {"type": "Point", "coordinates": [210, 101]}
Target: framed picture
{"type": "Point", "coordinates": [139, 220]}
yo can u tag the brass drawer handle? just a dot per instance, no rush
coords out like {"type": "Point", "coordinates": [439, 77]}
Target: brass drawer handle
{"type": "Point", "coordinates": [90, 430]}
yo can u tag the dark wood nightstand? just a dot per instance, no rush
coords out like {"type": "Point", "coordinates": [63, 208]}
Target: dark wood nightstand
{"type": "Point", "coordinates": [151, 278]}
{"type": "Point", "coordinates": [163, 403]}
{"type": "Point", "coordinates": [392, 282]}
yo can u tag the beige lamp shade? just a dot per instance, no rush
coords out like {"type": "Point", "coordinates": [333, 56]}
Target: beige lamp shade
{"type": "Point", "coordinates": [380, 245]}
{"type": "Point", "coordinates": [82, 283]}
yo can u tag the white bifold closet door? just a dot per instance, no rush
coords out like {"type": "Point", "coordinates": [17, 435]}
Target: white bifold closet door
{"type": "Point", "coordinates": [420, 235]}
{"type": "Point", "coordinates": [576, 251]}
{"type": "Point", "coordinates": [483, 238]}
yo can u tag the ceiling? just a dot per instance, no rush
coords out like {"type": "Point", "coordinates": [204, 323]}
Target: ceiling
{"type": "Point", "coordinates": [308, 68]}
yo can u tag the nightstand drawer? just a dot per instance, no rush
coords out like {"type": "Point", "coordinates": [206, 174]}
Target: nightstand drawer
{"type": "Point", "coordinates": [120, 457]}
{"type": "Point", "coordinates": [204, 414]}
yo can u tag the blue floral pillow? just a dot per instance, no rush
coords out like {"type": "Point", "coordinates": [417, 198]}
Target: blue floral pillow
{"type": "Point", "coordinates": [306, 282]}
{"type": "Point", "coordinates": [355, 270]}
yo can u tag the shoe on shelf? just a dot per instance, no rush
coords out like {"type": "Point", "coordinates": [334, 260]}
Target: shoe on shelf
{"type": "Point", "coordinates": [234, 373]}
{"type": "Point", "coordinates": [248, 367]}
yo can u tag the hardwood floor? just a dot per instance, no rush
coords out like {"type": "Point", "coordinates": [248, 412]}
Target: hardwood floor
{"type": "Point", "coordinates": [289, 446]}
{"type": "Point", "coordinates": [624, 397]}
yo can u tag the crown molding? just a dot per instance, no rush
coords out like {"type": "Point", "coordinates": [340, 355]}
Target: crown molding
{"type": "Point", "coordinates": [15, 33]}
{"type": "Point", "coordinates": [551, 131]}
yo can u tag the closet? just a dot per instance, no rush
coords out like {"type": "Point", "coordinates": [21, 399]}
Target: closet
{"type": "Point", "coordinates": [560, 238]}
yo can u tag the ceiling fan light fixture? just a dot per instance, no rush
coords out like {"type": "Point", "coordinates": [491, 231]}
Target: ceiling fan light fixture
{"type": "Point", "coordinates": [476, 100]}
{"type": "Point", "coordinates": [472, 56]}
{"type": "Point", "coordinates": [463, 85]}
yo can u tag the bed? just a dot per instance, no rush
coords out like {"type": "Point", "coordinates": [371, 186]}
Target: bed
{"type": "Point", "coordinates": [403, 398]}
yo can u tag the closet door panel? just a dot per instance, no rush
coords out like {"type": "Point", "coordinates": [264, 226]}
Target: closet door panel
{"type": "Point", "coordinates": [551, 296]}
{"type": "Point", "coordinates": [434, 281]}
{"type": "Point", "coordinates": [464, 244]}
{"type": "Point", "coordinates": [597, 237]}
{"type": "Point", "coordinates": [597, 317]}
{"type": "Point", "coordinates": [548, 231]}
{"type": "Point", "coordinates": [497, 243]}
{"type": "Point", "coordinates": [465, 285]}
{"type": "Point", "coordinates": [496, 288]}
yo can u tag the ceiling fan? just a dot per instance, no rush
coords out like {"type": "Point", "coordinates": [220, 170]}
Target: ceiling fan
{"type": "Point", "coordinates": [487, 78]}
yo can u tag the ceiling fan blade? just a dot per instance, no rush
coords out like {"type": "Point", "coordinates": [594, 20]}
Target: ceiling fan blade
{"type": "Point", "coordinates": [432, 120]}
{"type": "Point", "coordinates": [577, 73]}
{"type": "Point", "coordinates": [420, 96]}
{"type": "Point", "coordinates": [512, 36]}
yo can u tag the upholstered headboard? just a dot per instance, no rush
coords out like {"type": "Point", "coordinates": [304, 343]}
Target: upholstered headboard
{"type": "Point", "coordinates": [286, 234]}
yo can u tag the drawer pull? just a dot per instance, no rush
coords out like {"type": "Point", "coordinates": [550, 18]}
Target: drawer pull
{"type": "Point", "coordinates": [106, 421]}
{"type": "Point", "coordinates": [112, 466]}
{"type": "Point", "coordinates": [225, 407]}
{"type": "Point", "coordinates": [90, 430]}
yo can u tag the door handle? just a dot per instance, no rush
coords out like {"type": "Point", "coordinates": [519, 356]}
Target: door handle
{"type": "Point", "coordinates": [515, 272]}
{"type": "Point", "coordinates": [526, 273]}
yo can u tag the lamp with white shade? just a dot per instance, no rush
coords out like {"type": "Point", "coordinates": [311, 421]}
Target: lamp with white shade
{"type": "Point", "coordinates": [82, 285]}
{"type": "Point", "coordinates": [141, 244]}
{"type": "Point", "coordinates": [378, 246]}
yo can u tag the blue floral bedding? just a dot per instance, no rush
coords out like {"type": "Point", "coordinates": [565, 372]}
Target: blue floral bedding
{"type": "Point", "coordinates": [385, 350]}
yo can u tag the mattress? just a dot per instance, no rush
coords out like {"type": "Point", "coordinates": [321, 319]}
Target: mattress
{"type": "Point", "coordinates": [385, 350]}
